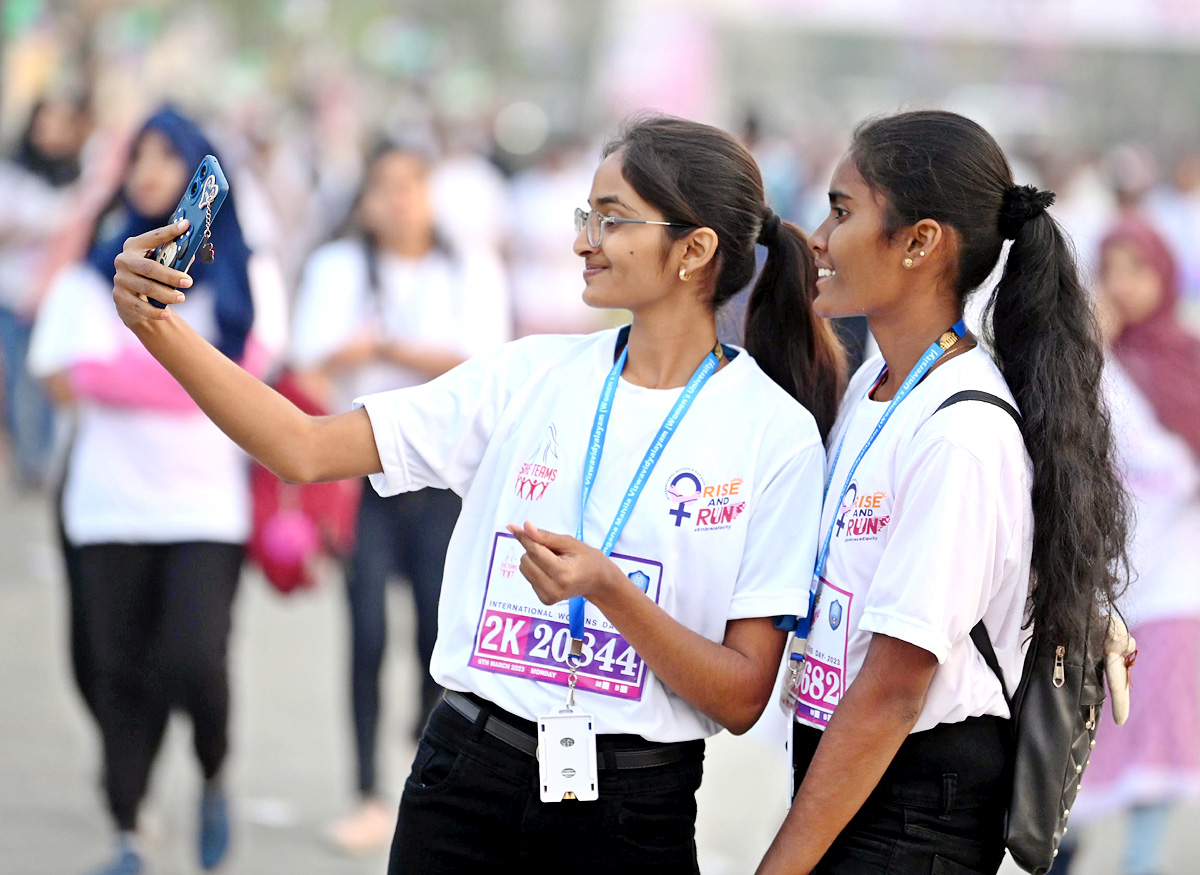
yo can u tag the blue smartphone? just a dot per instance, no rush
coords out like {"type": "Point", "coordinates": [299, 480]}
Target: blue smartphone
{"type": "Point", "coordinates": [199, 204]}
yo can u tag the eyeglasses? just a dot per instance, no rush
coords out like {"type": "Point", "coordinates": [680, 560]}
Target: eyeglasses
{"type": "Point", "coordinates": [594, 222]}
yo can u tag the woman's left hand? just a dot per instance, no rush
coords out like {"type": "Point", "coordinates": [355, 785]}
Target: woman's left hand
{"type": "Point", "coordinates": [560, 567]}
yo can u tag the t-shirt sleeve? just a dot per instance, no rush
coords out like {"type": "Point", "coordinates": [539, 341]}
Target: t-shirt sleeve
{"type": "Point", "coordinates": [939, 569]}
{"type": "Point", "coordinates": [435, 434]}
{"type": "Point", "coordinates": [781, 539]}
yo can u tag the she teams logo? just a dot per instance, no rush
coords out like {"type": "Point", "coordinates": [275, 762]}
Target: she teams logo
{"type": "Point", "coordinates": [538, 472]}
{"type": "Point", "coordinates": [511, 562]}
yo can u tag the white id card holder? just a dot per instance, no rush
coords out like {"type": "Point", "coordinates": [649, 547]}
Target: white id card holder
{"type": "Point", "coordinates": [567, 757]}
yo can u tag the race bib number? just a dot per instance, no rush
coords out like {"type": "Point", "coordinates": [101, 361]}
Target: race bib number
{"type": "Point", "coordinates": [518, 635]}
{"type": "Point", "coordinates": [823, 678]}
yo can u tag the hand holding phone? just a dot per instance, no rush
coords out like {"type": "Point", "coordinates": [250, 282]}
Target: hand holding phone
{"type": "Point", "coordinates": [199, 205]}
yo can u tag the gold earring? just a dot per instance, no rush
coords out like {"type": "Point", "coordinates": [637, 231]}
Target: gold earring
{"type": "Point", "coordinates": [683, 273]}
{"type": "Point", "coordinates": [908, 262]}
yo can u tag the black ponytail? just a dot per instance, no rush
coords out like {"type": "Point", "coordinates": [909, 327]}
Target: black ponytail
{"type": "Point", "coordinates": [1043, 335]}
{"type": "Point", "coordinates": [795, 348]}
{"type": "Point", "coordinates": [700, 176]}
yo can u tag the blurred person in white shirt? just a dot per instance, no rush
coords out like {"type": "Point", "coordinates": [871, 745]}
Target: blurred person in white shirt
{"type": "Point", "coordinates": [157, 548]}
{"type": "Point", "coordinates": [40, 183]}
{"type": "Point", "coordinates": [469, 192]}
{"type": "Point", "coordinates": [545, 272]}
{"type": "Point", "coordinates": [387, 306]}
{"type": "Point", "coordinates": [1151, 765]}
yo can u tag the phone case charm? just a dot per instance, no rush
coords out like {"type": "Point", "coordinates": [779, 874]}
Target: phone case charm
{"type": "Point", "coordinates": [207, 252]}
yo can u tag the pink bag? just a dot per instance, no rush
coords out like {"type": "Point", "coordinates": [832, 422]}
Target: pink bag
{"type": "Point", "coordinates": [294, 524]}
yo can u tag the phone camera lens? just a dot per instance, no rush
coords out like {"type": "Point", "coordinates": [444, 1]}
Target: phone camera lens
{"type": "Point", "coordinates": [195, 188]}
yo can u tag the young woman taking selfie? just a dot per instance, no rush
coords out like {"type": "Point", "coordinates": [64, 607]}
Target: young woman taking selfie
{"type": "Point", "coordinates": [555, 443]}
{"type": "Point", "coordinates": [935, 520]}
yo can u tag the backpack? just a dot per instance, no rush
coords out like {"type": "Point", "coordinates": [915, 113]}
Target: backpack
{"type": "Point", "coordinates": [1054, 713]}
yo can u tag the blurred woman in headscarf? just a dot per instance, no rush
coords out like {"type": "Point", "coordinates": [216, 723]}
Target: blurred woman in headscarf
{"type": "Point", "coordinates": [40, 182]}
{"type": "Point", "coordinates": [159, 546]}
{"type": "Point", "coordinates": [1152, 763]}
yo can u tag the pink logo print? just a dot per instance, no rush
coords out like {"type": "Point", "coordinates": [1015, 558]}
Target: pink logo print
{"type": "Point", "coordinates": [540, 469]}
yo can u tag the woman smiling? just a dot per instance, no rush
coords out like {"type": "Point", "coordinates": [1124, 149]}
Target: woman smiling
{"type": "Point", "coordinates": [660, 630]}
{"type": "Point", "coordinates": [938, 519]}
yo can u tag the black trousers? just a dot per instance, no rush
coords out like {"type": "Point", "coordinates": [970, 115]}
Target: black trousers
{"type": "Point", "coordinates": [155, 636]}
{"type": "Point", "coordinates": [407, 534]}
{"type": "Point", "coordinates": [938, 810]}
{"type": "Point", "coordinates": [471, 804]}
{"type": "Point", "coordinates": [81, 667]}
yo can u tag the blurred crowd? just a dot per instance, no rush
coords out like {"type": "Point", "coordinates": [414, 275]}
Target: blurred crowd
{"type": "Point", "coordinates": [298, 171]}
{"type": "Point", "coordinates": [379, 249]}
{"type": "Point", "coordinates": [380, 261]}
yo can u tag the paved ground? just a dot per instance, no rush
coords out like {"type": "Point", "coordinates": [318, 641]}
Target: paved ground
{"type": "Point", "coordinates": [290, 771]}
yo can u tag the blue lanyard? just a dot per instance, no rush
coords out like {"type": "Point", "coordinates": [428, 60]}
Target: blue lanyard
{"type": "Point", "coordinates": [596, 448]}
{"type": "Point", "coordinates": [936, 350]}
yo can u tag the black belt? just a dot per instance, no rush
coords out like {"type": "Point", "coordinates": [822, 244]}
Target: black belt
{"type": "Point", "coordinates": [647, 758]}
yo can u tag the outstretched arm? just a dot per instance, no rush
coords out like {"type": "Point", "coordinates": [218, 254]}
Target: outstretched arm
{"type": "Point", "coordinates": [292, 444]}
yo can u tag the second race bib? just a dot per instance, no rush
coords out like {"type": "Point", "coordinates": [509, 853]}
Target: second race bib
{"type": "Point", "coordinates": [823, 678]}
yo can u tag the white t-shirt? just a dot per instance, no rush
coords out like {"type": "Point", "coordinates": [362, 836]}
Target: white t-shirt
{"type": "Point", "coordinates": [139, 475]}
{"type": "Point", "coordinates": [935, 532]}
{"type": "Point", "coordinates": [547, 275]}
{"type": "Point", "coordinates": [31, 212]}
{"type": "Point", "coordinates": [1161, 474]}
{"type": "Point", "coordinates": [469, 193]}
{"type": "Point", "coordinates": [725, 528]}
{"type": "Point", "coordinates": [456, 302]}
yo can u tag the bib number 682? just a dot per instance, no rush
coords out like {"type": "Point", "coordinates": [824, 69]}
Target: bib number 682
{"type": "Point", "coordinates": [821, 683]}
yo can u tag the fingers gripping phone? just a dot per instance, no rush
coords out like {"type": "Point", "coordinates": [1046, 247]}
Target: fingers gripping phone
{"type": "Point", "coordinates": [199, 204]}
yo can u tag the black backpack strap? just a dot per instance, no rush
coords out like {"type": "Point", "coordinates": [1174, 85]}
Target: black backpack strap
{"type": "Point", "coordinates": [983, 642]}
{"type": "Point", "coordinates": [979, 634]}
{"type": "Point", "coordinates": [976, 395]}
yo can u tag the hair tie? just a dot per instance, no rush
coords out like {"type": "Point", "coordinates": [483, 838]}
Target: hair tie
{"type": "Point", "coordinates": [1020, 204]}
{"type": "Point", "coordinates": [769, 232]}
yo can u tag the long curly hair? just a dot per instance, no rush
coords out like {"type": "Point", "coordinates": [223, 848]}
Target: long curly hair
{"type": "Point", "coordinates": [1043, 335]}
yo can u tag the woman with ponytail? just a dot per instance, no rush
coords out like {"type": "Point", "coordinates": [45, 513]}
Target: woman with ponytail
{"type": "Point", "coordinates": [552, 442]}
{"type": "Point", "coordinates": [939, 517]}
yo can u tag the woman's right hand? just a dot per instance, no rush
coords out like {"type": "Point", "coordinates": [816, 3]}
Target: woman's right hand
{"type": "Point", "coordinates": [140, 277]}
